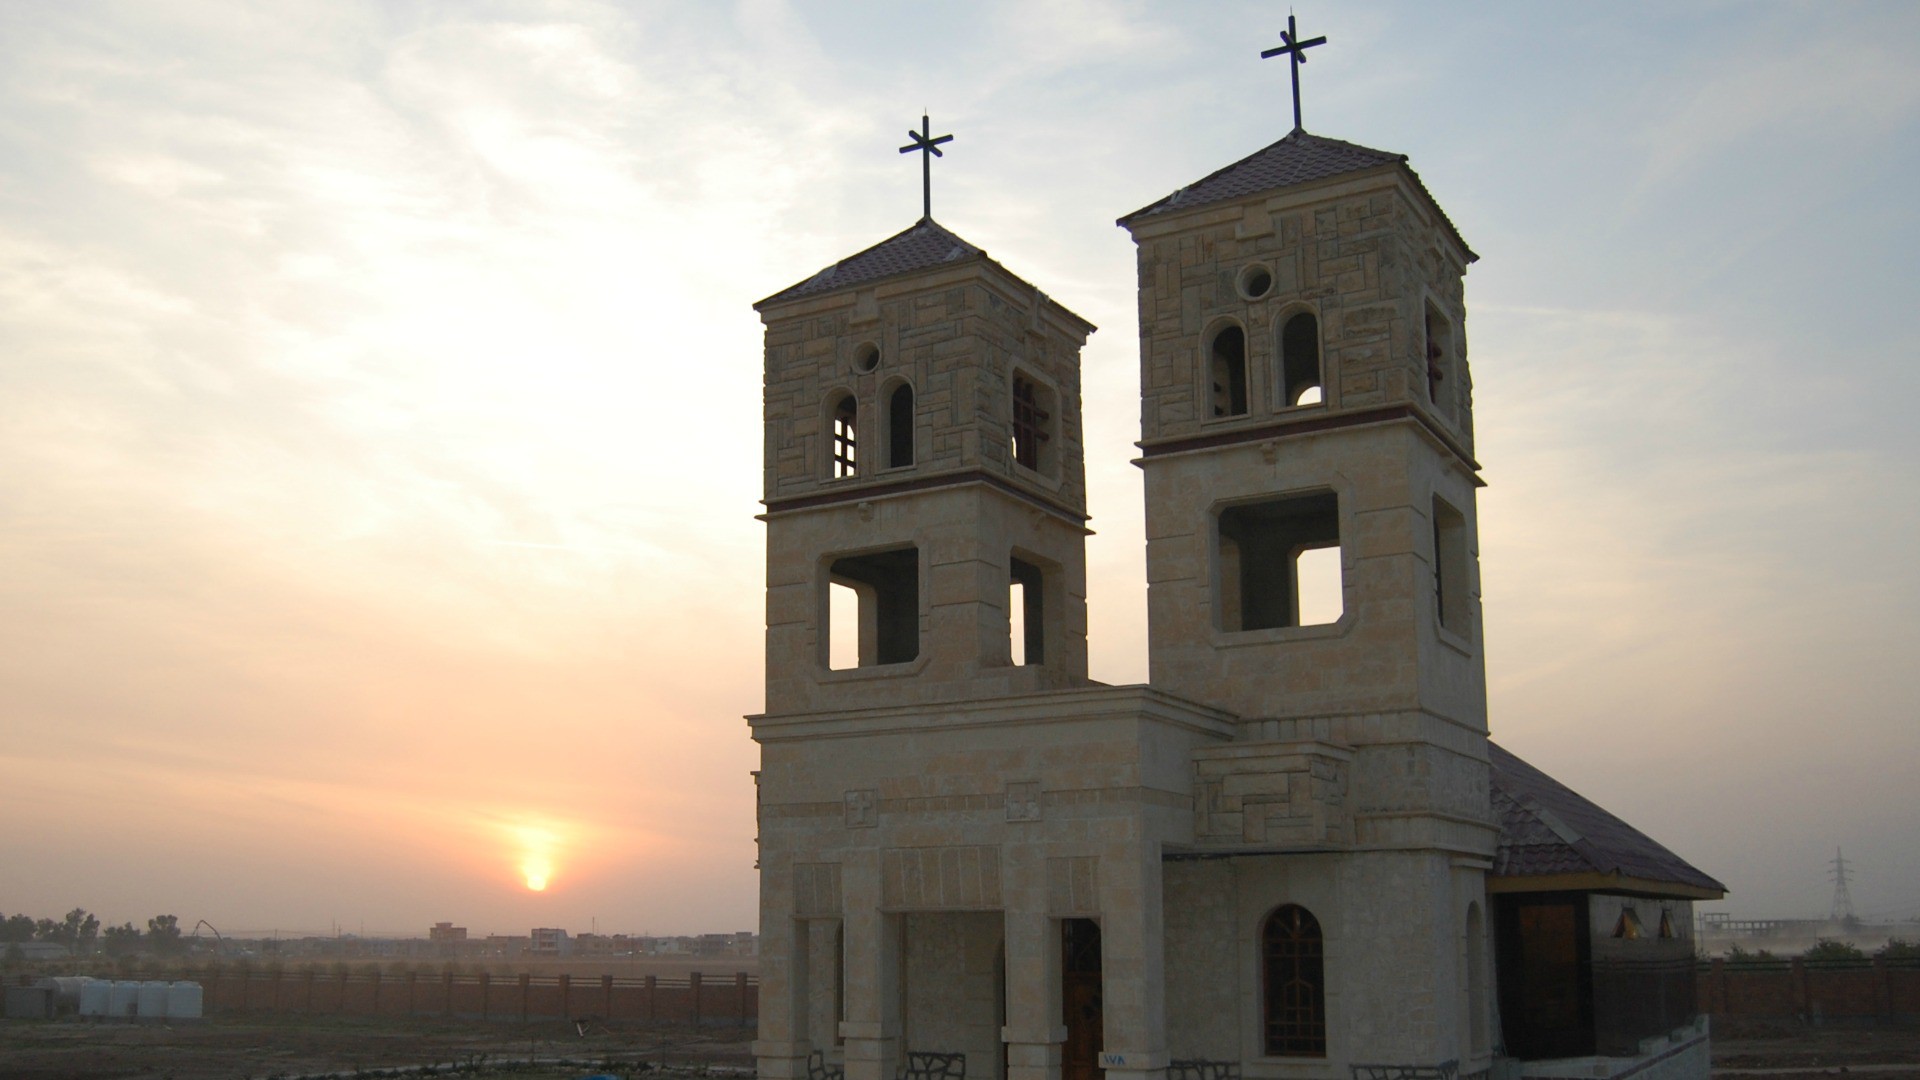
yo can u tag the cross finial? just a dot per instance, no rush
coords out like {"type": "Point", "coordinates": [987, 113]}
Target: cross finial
{"type": "Point", "coordinates": [929, 148]}
{"type": "Point", "coordinates": [1296, 51]}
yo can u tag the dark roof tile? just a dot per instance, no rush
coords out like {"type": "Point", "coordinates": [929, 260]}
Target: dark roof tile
{"type": "Point", "coordinates": [1300, 158]}
{"type": "Point", "coordinates": [1548, 829]}
{"type": "Point", "coordinates": [923, 247]}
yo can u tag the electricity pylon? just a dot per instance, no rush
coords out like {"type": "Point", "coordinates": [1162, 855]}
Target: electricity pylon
{"type": "Point", "coordinates": [1842, 903]}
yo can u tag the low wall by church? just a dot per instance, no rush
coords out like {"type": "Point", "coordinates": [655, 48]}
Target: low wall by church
{"type": "Point", "coordinates": [1816, 991]}
{"type": "Point", "coordinates": [706, 1000]}
{"type": "Point", "coordinates": [1684, 1054]}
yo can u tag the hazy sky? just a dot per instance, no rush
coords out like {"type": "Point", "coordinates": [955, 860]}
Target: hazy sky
{"type": "Point", "coordinates": [379, 411]}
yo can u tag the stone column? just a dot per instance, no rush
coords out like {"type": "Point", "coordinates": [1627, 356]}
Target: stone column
{"type": "Point", "coordinates": [1133, 963]}
{"type": "Point", "coordinates": [781, 1049]}
{"type": "Point", "coordinates": [1033, 1032]}
{"type": "Point", "coordinates": [872, 992]}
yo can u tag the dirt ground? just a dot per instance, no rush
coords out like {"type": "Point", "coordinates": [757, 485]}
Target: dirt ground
{"type": "Point", "coordinates": [238, 1048]}
{"type": "Point", "coordinates": [256, 1048]}
{"type": "Point", "coordinates": [1795, 1052]}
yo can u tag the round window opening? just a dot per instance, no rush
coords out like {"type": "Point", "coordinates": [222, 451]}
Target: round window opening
{"type": "Point", "coordinates": [1255, 282]}
{"type": "Point", "coordinates": [866, 358]}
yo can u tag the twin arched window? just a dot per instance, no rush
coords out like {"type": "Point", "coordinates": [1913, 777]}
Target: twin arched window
{"type": "Point", "coordinates": [843, 433]}
{"type": "Point", "coordinates": [1294, 983]}
{"type": "Point", "coordinates": [1301, 380]}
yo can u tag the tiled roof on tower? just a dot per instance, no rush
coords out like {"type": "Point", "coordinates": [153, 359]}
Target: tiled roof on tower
{"type": "Point", "coordinates": [925, 246]}
{"type": "Point", "coordinates": [1547, 830]}
{"type": "Point", "coordinates": [1300, 158]}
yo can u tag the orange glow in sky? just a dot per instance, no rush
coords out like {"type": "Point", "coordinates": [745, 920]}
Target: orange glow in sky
{"type": "Point", "coordinates": [535, 846]}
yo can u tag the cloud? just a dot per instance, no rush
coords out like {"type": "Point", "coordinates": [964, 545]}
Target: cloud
{"type": "Point", "coordinates": [1801, 93]}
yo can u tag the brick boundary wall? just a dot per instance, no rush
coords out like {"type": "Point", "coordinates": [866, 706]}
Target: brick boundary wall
{"type": "Point", "coordinates": [1816, 991]}
{"type": "Point", "coordinates": [703, 1000]}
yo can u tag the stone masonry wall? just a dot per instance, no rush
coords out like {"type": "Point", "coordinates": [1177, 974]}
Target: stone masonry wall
{"type": "Point", "coordinates": [1363, 256]}
{"type": "Point", "coordinates": [956, 338]}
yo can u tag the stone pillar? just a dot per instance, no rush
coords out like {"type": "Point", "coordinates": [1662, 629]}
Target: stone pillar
{"type": "Point", "coordinates": [872, 992]}
{"type": "Point", "coordinates": [1133, 963]}
{"type": "Point", "coordinates": [1033, 1032]}
{"type": "Point", "coordinates": [781, 1046]}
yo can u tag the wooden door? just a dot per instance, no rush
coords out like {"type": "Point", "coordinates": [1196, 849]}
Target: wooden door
{"type": "Point", "coordinates": [1080, 996]}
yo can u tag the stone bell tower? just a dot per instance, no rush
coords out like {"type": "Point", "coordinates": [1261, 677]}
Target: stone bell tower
{"type": "Point", "coordinates": [1307, 420]}
{"type": "Point", "coordinates": [1307, 442]}
{"type": "Point", "coordinates": [924, 457]}
{"type": "Point", "coordinates": [923, 451]}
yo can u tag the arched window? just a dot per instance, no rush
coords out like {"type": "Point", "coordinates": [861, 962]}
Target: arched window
{"type": "Point", "coordinates": [900, 427]}
{"type": "Point", "coordinates": [1476, 980]}
{"type": "Point", "coordinates": [1294, 984]}
{"type": "Point", "coordinates": [1300, 361]}
{"type": "Point", "coordinates": [1227, 372]}
{"type": "Point", "coordinates": [844, 435]}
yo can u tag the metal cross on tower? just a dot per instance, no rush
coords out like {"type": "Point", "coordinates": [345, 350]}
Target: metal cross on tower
{"type": "Point", "coordinates": [1296, 51]}
{"type": "Point", "coordinates": [929, 148]}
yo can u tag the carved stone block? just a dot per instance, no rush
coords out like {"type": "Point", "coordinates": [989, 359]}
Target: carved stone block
{"type": "Point", "coordinates": [1023, 800]}
{"type": "Point", "coordinates": [863, 809]}
{"type": "Point", "coordinates": [1273, 795]}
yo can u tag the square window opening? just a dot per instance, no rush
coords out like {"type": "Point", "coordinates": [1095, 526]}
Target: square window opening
{"type": "Point", "coordinates": [874, 602]}
{"type": "Point", "coordinates": [1279, 563]}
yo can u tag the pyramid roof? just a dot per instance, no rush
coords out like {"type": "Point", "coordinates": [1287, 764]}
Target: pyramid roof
{"type": "Point", "coordinates": [1299, 158]}
{"type": "Point", "coordinates": [925, 245]}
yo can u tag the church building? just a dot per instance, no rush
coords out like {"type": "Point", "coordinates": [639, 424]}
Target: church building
{"type": "Point", "coordinates": [1293, 852]}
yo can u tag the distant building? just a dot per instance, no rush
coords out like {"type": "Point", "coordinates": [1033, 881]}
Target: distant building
{"type": "Point", "coordinates": [446, 938]}
{"type": "Point", "coordinates": [550, 941]}
{"type": "Point", "coordinates": [505, 945]}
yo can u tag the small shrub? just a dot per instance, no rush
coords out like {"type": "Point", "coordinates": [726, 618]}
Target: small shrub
{"type": "Point", "coordinates": [1899, 949]}
{"type": "Point", "coordinates": [1830, 949]}
{"type": "Point", "coordinates": [1738, 955]}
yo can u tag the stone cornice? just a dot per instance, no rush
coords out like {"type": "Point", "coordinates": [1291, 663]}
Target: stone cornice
{"type": "Point", "coordinates": [1332, 421]}
{"type": "Point", "coordinates": [881, 489]}
{"type": "Point", "coordinates": [1073, 706]}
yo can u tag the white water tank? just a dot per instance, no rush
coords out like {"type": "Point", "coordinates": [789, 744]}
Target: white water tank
{"type": "Point", "coordinates": [66, 992]}
{"type": "Point", "coordinates": [152, 1004]}
{"type": "Point", "coordinates": [95, 995]}
{"type": "Point", "coordinates": [123, 1000]}
{"type": "Point", "coordinates": [183, 1001]}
